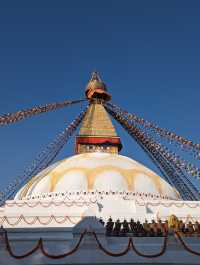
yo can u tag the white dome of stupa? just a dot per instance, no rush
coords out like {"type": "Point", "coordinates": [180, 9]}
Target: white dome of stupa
{"type": "Point", "coordinates": [98, 172]}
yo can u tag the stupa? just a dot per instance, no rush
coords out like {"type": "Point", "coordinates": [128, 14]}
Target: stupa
{"type": "Point", "coordinates": [96, 182]}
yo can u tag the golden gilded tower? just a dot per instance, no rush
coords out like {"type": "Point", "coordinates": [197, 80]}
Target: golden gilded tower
{"type": "Point", "coordinates": [97, 133]}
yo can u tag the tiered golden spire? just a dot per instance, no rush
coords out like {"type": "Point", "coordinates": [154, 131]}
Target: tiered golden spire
{"type": "Point", "coordinates": [97, 132]}
{"type": "Point", "coordinates": [97, 122]}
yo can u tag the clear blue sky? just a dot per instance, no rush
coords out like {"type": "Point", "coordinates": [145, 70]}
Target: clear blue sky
{"type": "Point", "coordinates": [146, 51]}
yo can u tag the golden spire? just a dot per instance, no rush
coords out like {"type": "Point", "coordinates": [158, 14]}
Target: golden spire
{"type": "Point", "coordinates": [97, 133]}
{"type": "Point", "coordinates": [97, 122]}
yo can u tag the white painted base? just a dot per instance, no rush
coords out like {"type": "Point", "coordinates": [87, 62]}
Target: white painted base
{"type": "Point", "coordinates": [68, 211]}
